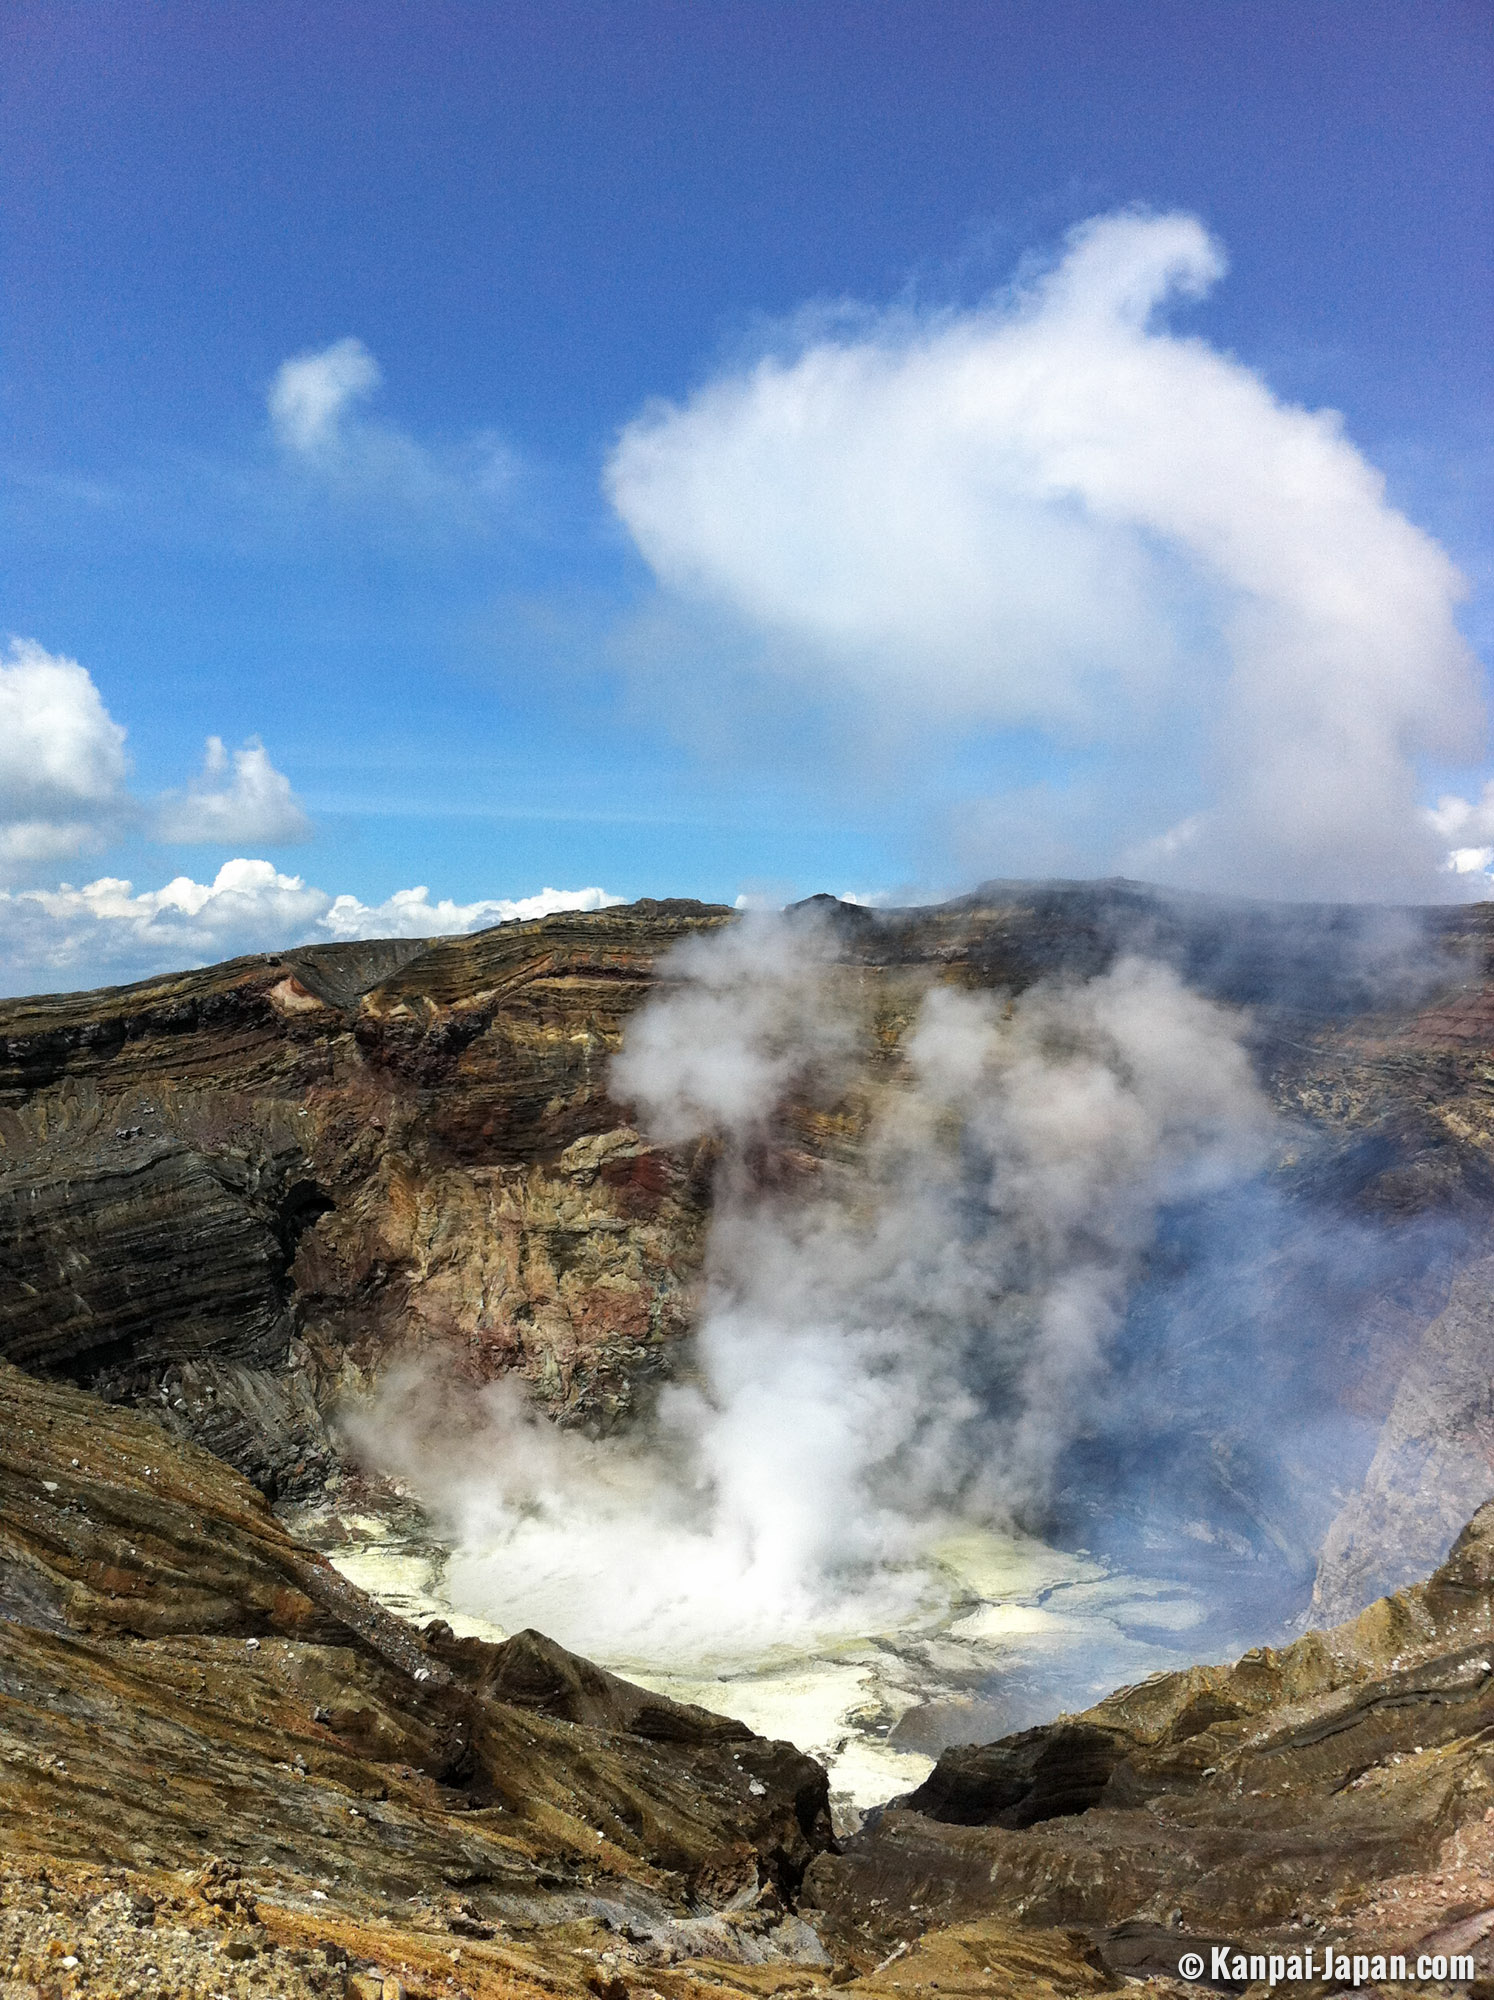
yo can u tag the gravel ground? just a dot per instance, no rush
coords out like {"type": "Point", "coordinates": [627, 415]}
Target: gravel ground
{"type": "Point", "coordinates": [113, 1936]}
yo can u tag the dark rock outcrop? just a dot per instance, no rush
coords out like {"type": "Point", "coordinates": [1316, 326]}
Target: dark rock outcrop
{"type": "Point", "coordinates": [1040, 1774]}
{"type": "Point", "coordinates": [132, 1252]}
{"type": "Point", "coordinates": [1297, 1796]}
{"type": "Point", "coordinates": [179, 1677]}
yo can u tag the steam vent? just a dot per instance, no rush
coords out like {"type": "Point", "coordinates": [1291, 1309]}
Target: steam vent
{"type": "Point", "coordinates": [653, 1452]}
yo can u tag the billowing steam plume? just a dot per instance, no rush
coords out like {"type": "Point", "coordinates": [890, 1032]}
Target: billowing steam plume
{"type": "Point", "coordinates": [904, 1348]}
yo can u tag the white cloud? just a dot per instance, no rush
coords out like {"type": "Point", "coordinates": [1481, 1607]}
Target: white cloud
{"type": "Point", "coordinates": [254, 806]}
{"type": "Point", "coordinates": [1466, 826]}
{"type": "Point", "coordinates": [313, 404]}
{"type": "Point", "coordinates": [64, 776]}
{"type": "Point", "coordinates": [107, 932]}
{"type": "Point", "coordinates": [64, 791]}
{"type": "Point", "coordinates": [1454, 818]}
{"type": "Point", "coordinates": [411, 913]}
{"type": "Point", "coordinates": [1053, 514]}
{"type": "Point", "coordinates": [63, 768]}
{"type": "Point", "coordinates": [311, 393]}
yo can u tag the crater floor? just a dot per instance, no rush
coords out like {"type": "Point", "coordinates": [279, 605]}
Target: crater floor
{"type": "Point", "coordinates": [1000, 1633]}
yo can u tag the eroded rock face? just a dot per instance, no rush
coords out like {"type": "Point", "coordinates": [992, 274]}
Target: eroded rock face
{"type": "Point", "coordinates": [233, 1196]}
{"type": "Point", "coordinates": [179, 1677]}
{"type": "Point", "coordinates": [1294, 1797]}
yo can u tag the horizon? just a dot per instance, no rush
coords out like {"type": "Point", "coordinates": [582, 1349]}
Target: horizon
{"type": "Point", "coordinates": [980, 894]}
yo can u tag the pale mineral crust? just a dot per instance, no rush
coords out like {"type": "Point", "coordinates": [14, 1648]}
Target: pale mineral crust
{"type": "Point", "coordinates": [1340, 1789]}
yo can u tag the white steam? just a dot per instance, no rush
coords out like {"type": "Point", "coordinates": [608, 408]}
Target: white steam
{"type": "Point", "coordinates": [742, 1018]}
{"type": "Point", "coordinates": [907, 1348]}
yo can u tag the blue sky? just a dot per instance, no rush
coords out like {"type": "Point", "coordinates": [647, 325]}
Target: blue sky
{"type": "Point", "coordinates": [651, 538]}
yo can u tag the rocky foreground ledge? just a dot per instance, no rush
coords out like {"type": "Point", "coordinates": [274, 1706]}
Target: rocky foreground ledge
{"type": "Point", "coordinates": [204, 1710]}
{"type": "Point", "coordinates": [225, 1770]}
{"type": "Point", "coordinates": [1338, 1790]}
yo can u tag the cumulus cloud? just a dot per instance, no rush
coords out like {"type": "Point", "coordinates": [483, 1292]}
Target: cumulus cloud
{"type": "Point", "coordinates": [314, 406]}
{"type": "Point", "coordinates": [109, 932]}
{"type": "Point", "coordinates": [64, 776]}
{"type": "Point", "coordinates": [235, 801]}
{"type": "Point", "coordinates": [106, 932]}
{"type": "Point", "coordinates": [63, 768]}
{"type": "Point", "coordinates": [64, 791]}
{"type": "Point", "coordinates": [411, 913]}
{"type": "Point", "coordinates": [1466, 826]}
{"type": "Point", "coordinates": [1053, 514]}
{"type": "Point", "coordinates": [311, 393]}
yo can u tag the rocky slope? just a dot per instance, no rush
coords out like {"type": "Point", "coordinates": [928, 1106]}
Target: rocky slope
{"type": "Point", "coordinates": [231, 1196]}
{"type": "Point", "coordinates": [180, 1680]}
{"type": "Point", "coordinates": [225, 1771]}
{"type": "Point", "coordinates": [1340, 1791]}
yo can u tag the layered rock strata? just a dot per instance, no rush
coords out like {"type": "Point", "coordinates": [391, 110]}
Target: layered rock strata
{"type": "Point", "coordinates": [1340, 1790]}
{"type": "Point", "coordinates": [180, 1679]}
{"type": "Point", "coordinates": [233, 1193]}
{"type": "Point", "coordinates": [234, 1196]}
